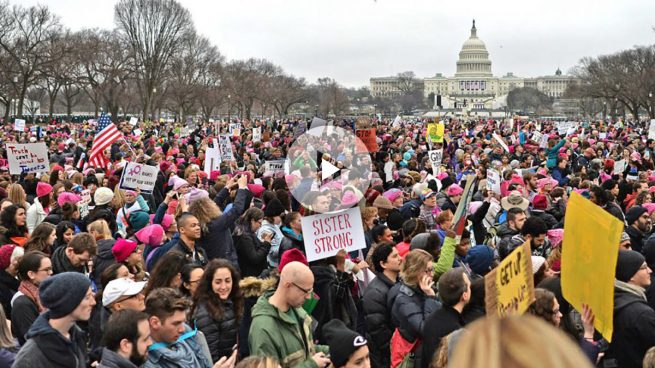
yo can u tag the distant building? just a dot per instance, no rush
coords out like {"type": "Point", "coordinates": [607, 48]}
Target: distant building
{"type": "Point", "coordinates": [473, 87]}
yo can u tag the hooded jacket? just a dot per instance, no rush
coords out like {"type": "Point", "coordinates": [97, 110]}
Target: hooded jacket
{"type": "Point", "coordinates": [8, 287]}
{"type": "Point", "coordinates": [103, 259]}
{"type": "Point", "coordinates": [61, 263]}
{"type": "Point", "coordinates": [335, 299]}
{"type": "Point", "coordinates": [634, 326]}
{"type": "Point", "coordinates": [287, 336]}
{"type": "Point", "coordinates": [252, 288]}
{"type": "Point", "coordinates": [191, 352]}
{"type": "Point", "coordinates": [46, 347]}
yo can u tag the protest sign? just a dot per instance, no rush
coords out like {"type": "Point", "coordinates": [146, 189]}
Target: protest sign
{"type": "Point", "coordinates": [435, 132]}
{"type": "Point", "coordinates": [134, 120]}
{"type": "Point", "coordinates": [19, 125]}
{"type": "Point", "coordinates": [493, 181]}
{"type": "Point", "coordinates": [536, 136]}
{"type": "Point", "coordinates": [459, 219]}
{"type": "Point", "coordinates": [212, 159]}
{"type": "Point", "coordinates": [235, 129]}
{"type": "Point", "coordinates": [325, 234]}
{"type": "Point", "coordinates": [27, 158]}
{"type": "Point", "coordinates": [83, 204]}
{"type": "Point", "coordinates": [589, 260]}
{"type": "Point", "coordinates": [651, 129]}
{"type": "Point", "coordinates": [317, 122]}
{"type": "Point", "coordinates": [397, 121]}
{"type": "Point", "coordinates": [139, 176]}
{"type": "Point", "coordinates": [137, 132]}
{"type": "Point", "coordinates": [368, 138]}
{"type": "Point", "coordinates": [256, 134]}
{"type": "Point", "coordinates": [500, 140]}
{"type": "Point", "coordinates": [435, 160]}
{"type": "Point", "coordinates": [509, 288]}
{"type": "Point", "coordinates": [225, 147]}
{"type": "Point", "coordinates": [619, 167]}
{"type": "Point", "coordinates": [300, 129]}
{"type": "Point", "coordinates": [276, 166]}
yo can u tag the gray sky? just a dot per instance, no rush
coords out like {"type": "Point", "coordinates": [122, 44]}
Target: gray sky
{"type": "Point", "coordinates": [353, 40]}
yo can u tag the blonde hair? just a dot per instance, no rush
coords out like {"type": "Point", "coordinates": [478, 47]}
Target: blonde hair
{"type": "Point", "coordinates": [414, 265]}
{"type": "Point", "coordinates": [516, 342]}
{"type": "Point", "coordinates": [258, 362]}
{"type": "Point", "coordinates": [649, 358]}
{"type": "Point", "coordinates": [205, 211]}
{"type": "Point", "coordinates": [16, 194]}
{"type": "Point", "coordinates": [101, 227]}
{"type": "Point", "coordinates": [118, 201]}
{"type": "Point", "coordinates": [78, 178]}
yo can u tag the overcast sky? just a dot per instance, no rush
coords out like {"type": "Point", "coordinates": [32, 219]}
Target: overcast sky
{"type": "Point", "coordinates": [353, 40]}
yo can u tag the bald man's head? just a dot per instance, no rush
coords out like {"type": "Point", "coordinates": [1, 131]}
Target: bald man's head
{"type": "Point", "coordinates": [296, 284]}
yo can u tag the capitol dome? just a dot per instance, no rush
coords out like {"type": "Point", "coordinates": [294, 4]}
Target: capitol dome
{"type": "Point", "coordinates": [474, 57]}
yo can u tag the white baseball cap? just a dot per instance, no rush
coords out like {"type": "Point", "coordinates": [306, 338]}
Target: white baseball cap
{"type": "Point", "coordinates": [119, 288]}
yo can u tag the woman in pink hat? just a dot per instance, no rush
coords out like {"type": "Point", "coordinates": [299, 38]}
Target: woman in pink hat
{"type": "Point", "coordinates": [41, 207]}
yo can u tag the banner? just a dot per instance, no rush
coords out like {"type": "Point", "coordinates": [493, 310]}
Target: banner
{"type": "Point", "coordinates": [325, 234]}
{"type": "Point", "coordinates": [436, 132]}
{"type": "Point", "coordinates": [256, 134]}
{"type": "Point", "coordinates": [225, 147]}
{"type": "Point", "coordinates": [435, 157]}
{"type": "Point", "coordinates": [139, 176]}
{"type": "Point", "coordinates": [369, 138]}
{"type": "Point", "coordinates": [275, 166]}
{"type": "Point", "coordinates": [493, 181]}
{"type": "Point", "coordinates": [500, 140]}
{"type": "Point", "coordinates": [134, 120]}
{"type": "Point", "coordinates": [212, 159]}
{"type": "Point", "coordinates": [27, 158]}
{"type": "Point", "coordinates": [19, 125]}
{"type": "Point", "coordinates": [589, 260]}
{"type": "Point", "coordinates": [509, 288]}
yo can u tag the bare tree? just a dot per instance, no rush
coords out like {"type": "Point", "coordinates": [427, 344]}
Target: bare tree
{"type": "Point", "coordinates": [60, 68]}
{"type": "Point", "coordinates": [248, 81]}
{"type": "Point", "coordinates": [285, 91]}
{"type": "Point", "coordinates": [25, 34]}
{"type": "Point", "coordinates": [153, 30]}
{"type": "Point", "coordinates": [332, 98]}
{"type": "Point", "coordinates": [213, 88]}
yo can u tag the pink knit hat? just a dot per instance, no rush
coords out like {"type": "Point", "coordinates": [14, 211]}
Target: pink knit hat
{"type": "Point", "coordinates": [43, 189]}
{"type": "Point", "coordinates": [122, 249]}
{"type": "Point", "coordinates": [67, 197]}
{"type": "Point", "coordinates": [151, 235]}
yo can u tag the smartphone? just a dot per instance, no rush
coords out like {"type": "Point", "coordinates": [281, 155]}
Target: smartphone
{"type": "Point", "coordinates": [235, 347]}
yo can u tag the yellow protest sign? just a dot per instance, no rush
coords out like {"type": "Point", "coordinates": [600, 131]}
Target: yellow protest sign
{"type": "Point", "coordinates": [435, 132]}
{"type": "Point", "coordinates": [589, 252]}
{"type": "Point", "coordinates": [509, 287]}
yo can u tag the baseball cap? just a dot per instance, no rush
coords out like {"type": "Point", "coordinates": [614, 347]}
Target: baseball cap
{"type": "Point", "coordinates": [119, 288]}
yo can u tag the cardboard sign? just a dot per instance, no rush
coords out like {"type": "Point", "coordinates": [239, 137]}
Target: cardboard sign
{"type": "Point", "coordinates": [651, 129]}
{"type": "Point", "coordinates": [493, 181]}
{"type": "Point", "coordinates": [325, 234]}
{"type": "Point", "coordinates": [212, 160]}
{"type": "Point", "coordinates": [19, 125]}
{"type": "Point", "coordinates": [83, 204]}
{"type": "Point", "coordinates": [139, 176]}
{"type": "Point", "coordinates": [500, 141]}
{"type": "Point", "coordinates": [256, 134]}
{"type": "Point", "coordinates": [27, 158]}
{"type": "Point", "coordinates": [276, 166]}
{"type": "Point", "coordinates": [369, 138]}
{"type": "Point", "coordinates": [435, 157]}
{"type": "Point", "coordinates": [225, 147]}
{"type": "Point", "coordinates": [619, 167]}
{"type": "Point", "coordinates": [509, 287]}
{"type": "Point", "coordinates": [589, 260]}
{"type": "Point", "coordinates": [435, 132]}
{"type": "Point", "coordinates": [134, 120]}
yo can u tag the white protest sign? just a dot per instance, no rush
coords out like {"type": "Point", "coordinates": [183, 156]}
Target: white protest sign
{"type": "Point", "coordinates": [651, 129]}
{"type": "Point", "coordinates": [544, 141]}
{"type": "Point", "coordinates": [138, 132]}
{"type": "Point", "coordinates": [19, 125]}
{"type": "Point", "coordinates": [27, 158]}
{"type": "Point", "coordinates": [225, 147]}
{"type": "Point", "coordinates": [256, 134]}
{"type": "Point", "coordinates": [317, 122]}
{"type": "Point", "coordinates": [325, 234]}
{"type": "Point", "coordinates": [536, 136]}
{"type": "Point", "coordinates": [212, 159]}
{"type": "Point", "coordinates": [397, 121]}
{"type": "Point", "coordinates": [501, 142]}
{"type": "Point", "coordinates": [619, 167]}
{"type": "Point", "coordinates": [435, 160]}
{"type": "Point", "coordinates": [133, 121]}
{"type": "Point", "coordinates": [275, 166]}
{"type": "Point", "coordinates": [493, 181]}
{"type": "Point", "coordinates": [235, 129]}
{"type": "Point", "coordinates": [83, 204]}
{"type": "Point", "coordinates": [602, 135]}
{"type": "Point", "coordinates": [139, 176]}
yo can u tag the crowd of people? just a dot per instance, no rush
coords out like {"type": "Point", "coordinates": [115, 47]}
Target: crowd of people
{"type": "Point", "coordinates": [209, 269]}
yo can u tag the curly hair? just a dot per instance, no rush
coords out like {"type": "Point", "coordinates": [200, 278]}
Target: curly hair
{"type": "Point", "coordinates": [543, 304]}
{"type": "Point", "coordinates": [205, 293]}
{"type": "Point", "coordinates": [205, 211]}
{"type": "Point", "coordinates": [414, 266]}
{"type": "Point", "coordinates": [8, 220]}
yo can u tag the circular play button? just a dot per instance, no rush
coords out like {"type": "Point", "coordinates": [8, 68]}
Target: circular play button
{"type": "Point", "coordinates": [331, 169]}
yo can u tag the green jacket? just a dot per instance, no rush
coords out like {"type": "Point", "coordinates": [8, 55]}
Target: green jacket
{"type": "Point", "coordinates": [276, 334]}
{"type": "Point", "coordinates": [446, 258]}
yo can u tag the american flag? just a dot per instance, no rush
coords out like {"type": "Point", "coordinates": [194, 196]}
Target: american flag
{"type": "Point", "coordinates": [107, 134]}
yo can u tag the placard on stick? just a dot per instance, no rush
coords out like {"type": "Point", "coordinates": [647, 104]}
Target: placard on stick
{"type": "Point", "coordinates": [27, 158]}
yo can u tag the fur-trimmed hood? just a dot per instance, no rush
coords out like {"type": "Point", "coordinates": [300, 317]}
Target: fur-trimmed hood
{"type": "Point", "coordinates": [255, 287]}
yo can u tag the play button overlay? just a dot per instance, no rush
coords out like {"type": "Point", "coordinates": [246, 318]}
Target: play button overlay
{"type": "Point", "coordinates": [330, 171]}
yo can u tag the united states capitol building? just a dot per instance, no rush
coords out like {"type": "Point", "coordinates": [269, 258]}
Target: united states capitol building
{"type": "Point", "coordinates": [473, 87]}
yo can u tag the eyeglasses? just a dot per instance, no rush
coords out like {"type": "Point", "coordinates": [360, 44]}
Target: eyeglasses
{"type": "Point", "coordinates": [194, 281]}
{"type": "Point", "coordinates": [130, 297]}
{"type": "Point", "coordinates": [47, 269]}
{"type": "Point", "coordinates": [643, 266]}
{"type": "Point", "coordinates": [306, 291]}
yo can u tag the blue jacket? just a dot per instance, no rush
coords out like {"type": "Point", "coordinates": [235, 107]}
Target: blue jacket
{"type": "Point", "coordinates": [552, 154]}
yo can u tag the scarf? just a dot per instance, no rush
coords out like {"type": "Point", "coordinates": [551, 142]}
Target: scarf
{"type": "Point", "coordinates": [32, 292]}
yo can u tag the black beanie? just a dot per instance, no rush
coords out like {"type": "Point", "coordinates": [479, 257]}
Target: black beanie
{"type": "Point", "coordinates": [62, 293]}
{"type": "Point", "coordinates": [274, 208]}
{"type": "Point", "coordinates": [446, 182]}
{"type": "Point", "coordinates": [627, 264]}
{"type": "Point", "coordinates": [342, 341]}
{"type": "Point", "coordinates": [633, 214]}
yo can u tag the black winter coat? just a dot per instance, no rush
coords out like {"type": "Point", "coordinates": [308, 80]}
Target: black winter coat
{"type": "Point", "coordinates": [634, 328]}
{"type": "Point", "coordinates": [103, 259]}
{"type": "Point", "coordinates": [221, 335]}
{"type": "Point", "coordinates": [55, 216]}
{"type": "Point", "coordinates": [23, 314]}
{"type": "Point", "coordinates": [105, 213]}
{"type": "Point", "coordinates": [335, 300]}
{"type": "Point", "coordinates": [8, 287]}
{"type": "Point", "coordinates": [439, 324]}
{"type": "Point", "coordinates": [637, 238]}
{"type": "Point", "coordinates": [378, 320]}
{"type": "Point", "coordinates": [547, 218]}
{"type": "Point", "coordinates": [251, 253]}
